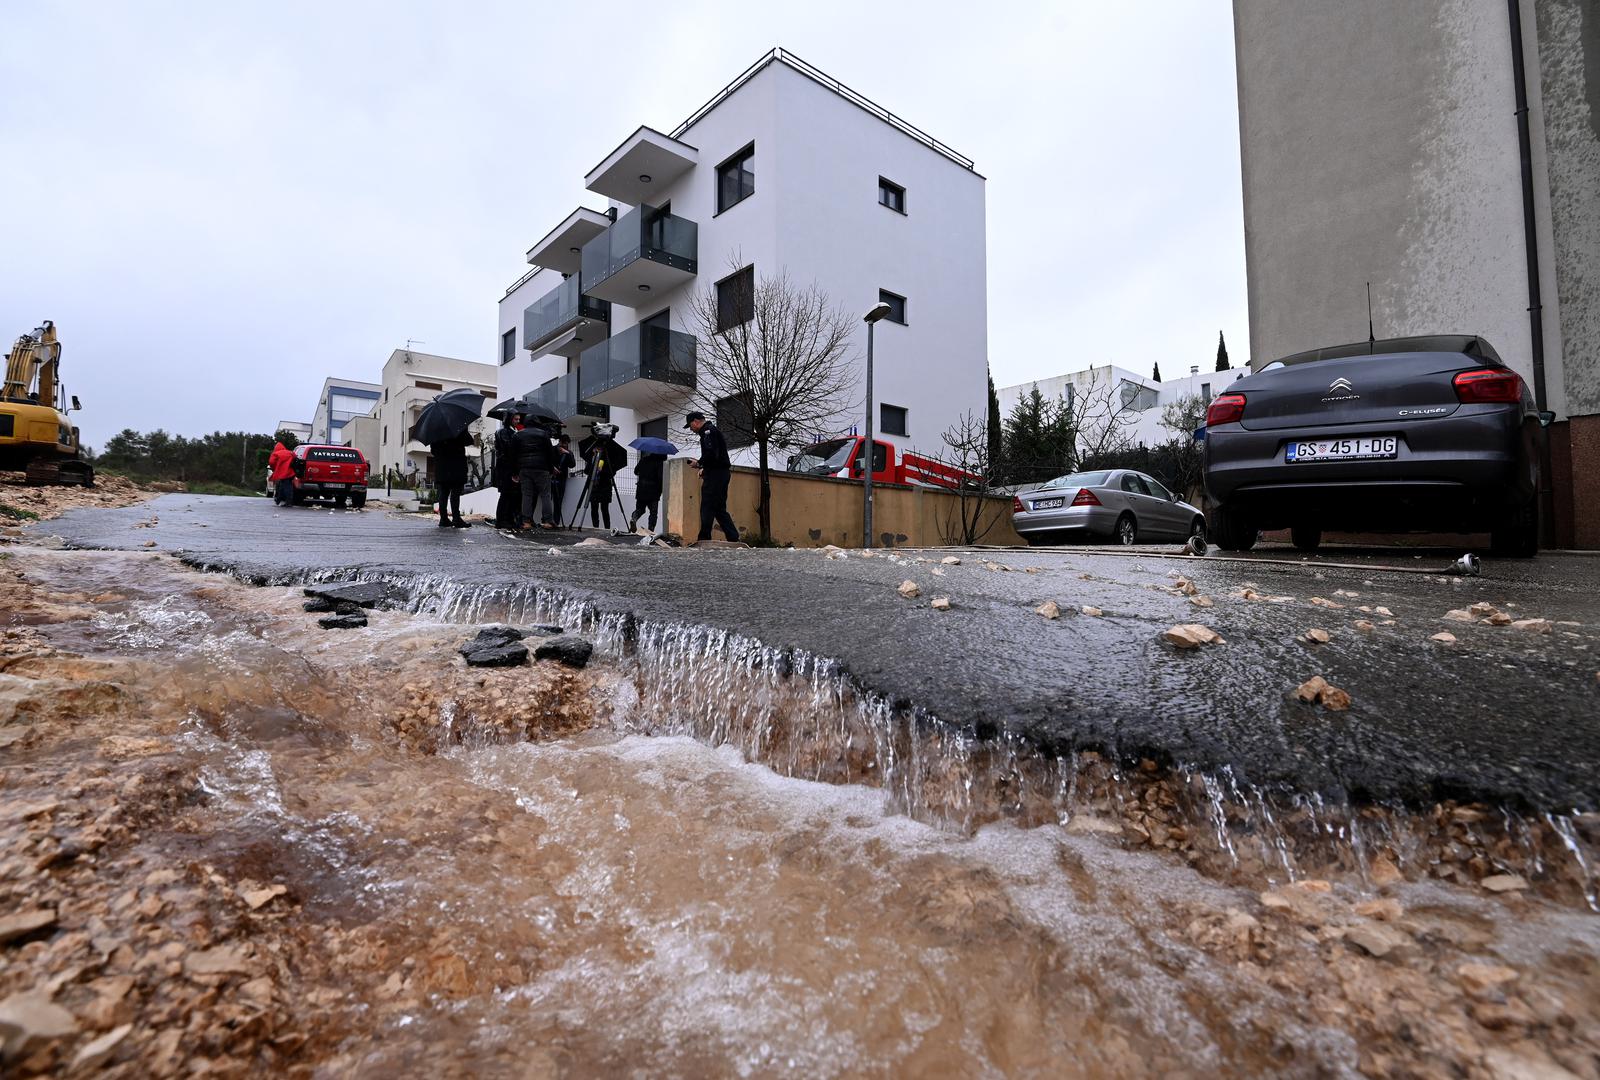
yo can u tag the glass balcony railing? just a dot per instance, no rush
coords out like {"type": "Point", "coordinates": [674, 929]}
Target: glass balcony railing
{"type": "Point", "coordinates": [559, 310]}
{"type": "Point", "coordinates": [639, 352]}
{"type": "Point", "coordinates": [642, 233]}
{"type": "Point", "coordinates": [560, 396]}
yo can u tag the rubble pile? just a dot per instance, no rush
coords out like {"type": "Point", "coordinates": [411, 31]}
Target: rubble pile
{"type": "Point", "coordinates": [52, 500]}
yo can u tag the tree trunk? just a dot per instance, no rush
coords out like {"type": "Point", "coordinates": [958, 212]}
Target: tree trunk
{"type": "Point", "coordinates": [764, 507]}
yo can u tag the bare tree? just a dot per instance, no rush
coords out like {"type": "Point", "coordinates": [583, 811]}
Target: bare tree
{"type": "Point", "coordinates": [781, 356]}
{"type": "Point", "coordinates": [1102, 417]}
{"type": "Point", "coordinates": [974, 512]}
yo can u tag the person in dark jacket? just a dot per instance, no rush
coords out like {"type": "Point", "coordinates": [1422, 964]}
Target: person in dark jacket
{"type": "Point", "coordinates": [565, 463]}
{"type": "Point", "coordinates": [647, 492]}
{"type": "Point", "coordinates": [535, 456]}
{"type": "Point", "coordinates": [606, 459]}
{"type": "Point", "coordinates": [716, 469]}
{"type": "Point", "coordinates": [450, 476]}
{"type": "Point", "coordinates": [505, 473]}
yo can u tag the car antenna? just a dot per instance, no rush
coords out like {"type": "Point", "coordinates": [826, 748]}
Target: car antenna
{"type": "Point", "coordinates": [1372, 339]}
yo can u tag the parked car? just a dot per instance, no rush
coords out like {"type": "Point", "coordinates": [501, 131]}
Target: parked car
{"type": "Point", "coordinates": [1422, 433]}
{"type": "Point", "coordinates": [331, 473]}
{"type": "Point", "coordinates": [1116, 504]}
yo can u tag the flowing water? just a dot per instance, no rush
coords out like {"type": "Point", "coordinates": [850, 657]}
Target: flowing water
{"type": "Point", "coordinates": [707, 857]}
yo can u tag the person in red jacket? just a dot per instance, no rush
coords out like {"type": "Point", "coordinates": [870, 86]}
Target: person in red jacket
{"type": "Point", "coordinates": [281, 462]}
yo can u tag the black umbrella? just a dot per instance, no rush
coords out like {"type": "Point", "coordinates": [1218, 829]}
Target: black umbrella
{"type": "Point", "coordinates": [504, 409]}
{"type": "Point", "coordinates": [448, 416]}
{"type": "Point", "coordinates": [533, 410]}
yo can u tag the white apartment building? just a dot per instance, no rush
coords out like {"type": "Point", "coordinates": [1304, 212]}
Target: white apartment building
{"type": "Point", "coordinates": [783, 171]}
{"type": "Point", "coordinates": [1115, 394]}
{"type": "Point", "coordinates": [411, 379]}
{"type": "Point", "coordinates": [341, 401]}
{"type": "Point", "coordinates": [298, 428]}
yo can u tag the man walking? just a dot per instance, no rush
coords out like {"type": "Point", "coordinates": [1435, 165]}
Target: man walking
{"type": "Point", "coordinates": [716, 469]}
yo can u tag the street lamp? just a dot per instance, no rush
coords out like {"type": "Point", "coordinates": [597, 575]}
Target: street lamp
{"type": "Point", "coordinates": [879, 310]}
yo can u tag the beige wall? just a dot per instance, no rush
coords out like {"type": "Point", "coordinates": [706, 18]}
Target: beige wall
{"type": "Point", "coordinates": [810, 511]}
{"type": "Point", "coordinates": [362, 434]}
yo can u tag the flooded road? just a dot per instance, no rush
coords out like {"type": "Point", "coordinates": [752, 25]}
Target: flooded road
{"type": "Point", "coordinates": [270, 848]}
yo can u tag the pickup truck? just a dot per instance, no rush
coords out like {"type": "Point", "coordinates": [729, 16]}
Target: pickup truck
{"type": "Point", "coordinates": [336, 473]}
{"type": "Point", "coordinates": [841, 458]}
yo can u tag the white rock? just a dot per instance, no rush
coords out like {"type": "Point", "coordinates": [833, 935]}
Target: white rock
{"type": "Point", "coordinates": [1534, 626]}
{"type": "Point", "coordinates": [1092, 611]}
{"type": "Point", "coordinates": [1049, 609]}
{"type": "Point", "coordinates": [950, 560]}
{"type": "Point", "coordinates": [910, 590]}
{"type": "Point", "coordinates": [940, 603]}
{"type": "Point", "coordinates": [1191, 636]}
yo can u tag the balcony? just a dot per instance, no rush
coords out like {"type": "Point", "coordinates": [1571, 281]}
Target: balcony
{"type": "Point", "coordinates": [645, 368]}
{"type": "Point", "coordinates": [564, 321]}
{"type": "Point", "coordinates": [644, 165]}
{"type": "Point", "coordinates": [560, 396]}
{"type": "Point", "coordinates": [562, 245]}
{"type": "Point", "coordinates": [646, 251]}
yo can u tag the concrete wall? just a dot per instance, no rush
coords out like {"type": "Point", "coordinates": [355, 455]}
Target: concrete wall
{"type": "Point", "coordinates": [811, 511]}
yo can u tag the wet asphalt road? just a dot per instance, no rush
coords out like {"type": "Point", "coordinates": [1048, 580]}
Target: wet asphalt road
{"type": "Point", "coordinates": [1504, 715]}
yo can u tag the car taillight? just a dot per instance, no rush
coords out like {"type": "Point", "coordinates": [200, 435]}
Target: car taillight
{"type": "Point", "coordinates": [1488, 385]}
{"type": "Point", "coordinates": [1227, 409]}
{"type": "Point", "coordinates": [1016, 505]}
{"type": "Point", "coordinates": [1085, 497]}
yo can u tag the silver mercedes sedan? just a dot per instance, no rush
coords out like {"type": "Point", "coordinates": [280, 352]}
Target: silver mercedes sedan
{"type": "Point", "coordinates": [1116, 504]}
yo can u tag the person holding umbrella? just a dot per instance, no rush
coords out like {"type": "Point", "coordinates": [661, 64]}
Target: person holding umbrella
{"type": "Point", "coordinates": [653, 454]}
{"type": "Point", "coordinates": [505, 472]}
{"type": "Point", "coordinates": [716, 470]}
{"type": "Point", "coordinates": [445, 424]}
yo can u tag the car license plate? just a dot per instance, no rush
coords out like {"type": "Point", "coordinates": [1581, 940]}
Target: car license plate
{"type": "Point", "coordinates": [1365, 446]}
{"type": "Point", "coordinates": [1048, 504]}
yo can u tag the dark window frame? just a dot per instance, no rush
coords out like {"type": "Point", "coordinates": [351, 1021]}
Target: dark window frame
{"type": "Point", "coordinates": [741, 302]}
{"type": "Point", "coordinates": [883, 419]}
{"type": "Point", "coordinates": [736, 437]}
{"type": "Point", "coordinates": [887, 297]}
{"type": "Point", "coordinates": [422, 385]}
{"type": "Point", "coordinates": [508, 346]}
{"type": "Point", "coordinates": [887, 186]}
{"type": "Point", "coordinates": [736, 159]}
{"type": "Point", "coordinates": [665, 427]}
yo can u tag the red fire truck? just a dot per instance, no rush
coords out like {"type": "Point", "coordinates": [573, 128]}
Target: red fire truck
{"type": "Point", "coordinates": [841, 458]}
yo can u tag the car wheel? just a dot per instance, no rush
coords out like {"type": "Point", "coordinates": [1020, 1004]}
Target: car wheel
{"type": "Point", "coordinates": [1306, 537]}
{"type": "Point", "coordinates": [1197, 528]}
{"type": "Point", "coordinates": [1231, 530]}
{"type": "Point", "coordinates": [358, 500]}
{"type": "Point", "coordinates": [1518, 537]}
{"type": "Point", "coordinates": [1127, 530]}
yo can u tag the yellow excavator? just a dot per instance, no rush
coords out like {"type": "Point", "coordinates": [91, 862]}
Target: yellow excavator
{"type": "Point", "coordinates": [34, 433]}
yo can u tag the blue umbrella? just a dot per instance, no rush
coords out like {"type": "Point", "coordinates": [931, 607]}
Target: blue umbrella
{"type": "Point", "coordinates": [647, 445]}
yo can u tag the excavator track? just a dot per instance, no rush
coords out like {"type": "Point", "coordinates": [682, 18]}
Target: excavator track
{"type": "Point", "coordinates": [70, 472]}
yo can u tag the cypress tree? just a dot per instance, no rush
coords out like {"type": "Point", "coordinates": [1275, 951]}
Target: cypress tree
{"type": "Point", "coordinates": [1155, 372]}
{"type": "Point", "coordinates": [1222, 353]}
{"type": "Point", "coordinates": [996, 436]}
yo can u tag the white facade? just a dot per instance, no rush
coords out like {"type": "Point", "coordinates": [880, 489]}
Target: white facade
{"type": "Point", "coordinates": [411, 379]}
{"type": "Point", "coordinates": [298, 428]}
{"type": "Point", "coordinates": [815, 215]}
{"type": "Point", "coordinates": [1130, 400]}
{"type": "Point", "coordinates": [340, 401]}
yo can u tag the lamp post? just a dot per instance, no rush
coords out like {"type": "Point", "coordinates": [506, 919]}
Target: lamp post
{"type": "Point", "coordinates": [871, 318]}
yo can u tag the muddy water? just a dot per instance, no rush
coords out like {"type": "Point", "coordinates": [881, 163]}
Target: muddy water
{"type": "Point", "coordinates": [584, 888]}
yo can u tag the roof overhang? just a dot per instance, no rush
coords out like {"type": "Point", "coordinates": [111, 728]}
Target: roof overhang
{"type": "Point", "coordinates": [561, 247]}
{"type": "Point", "coordinates": [645, 163]}
{"type": "Point", "coordinates": [557, 342]}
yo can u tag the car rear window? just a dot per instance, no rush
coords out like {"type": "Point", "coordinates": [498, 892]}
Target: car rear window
{"type": "Point", "coordinates": [1081, 479]}
{"type": "Point", "coordinates": [333, 454]}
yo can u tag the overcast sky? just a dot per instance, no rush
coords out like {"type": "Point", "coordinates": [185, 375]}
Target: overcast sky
{"type": "Point", "coordinates": [221, 204]}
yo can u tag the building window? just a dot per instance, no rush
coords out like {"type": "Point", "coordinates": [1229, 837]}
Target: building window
{"type": "Point", "coordinates": [429, 385]}
{"type": "Point", "coordinates": [736, 178]}
{"type": "Point", "coordinates": [733, 419]}
{"type": "Point", "coordinates": [1205, 391]}
{"type": "Point", "coordinates": [891, 195]}
{"type": "Point", "coordinates": [654, 429]}
{"type": "Point", "coordinates": [736, 298]}
{"type": "Point", "coordinates": [508, 346]}
{"type": "Point", "coordinates": [892, 420]}
{"type": "Point", "coordinates": [897, 306]}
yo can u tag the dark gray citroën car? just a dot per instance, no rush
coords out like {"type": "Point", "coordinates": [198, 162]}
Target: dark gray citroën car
{"type": "Point", "coordinates": [1421, 433]}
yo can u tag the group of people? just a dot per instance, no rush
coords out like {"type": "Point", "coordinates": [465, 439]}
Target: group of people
{"type": "Point", "coordinates": [532, 465]}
